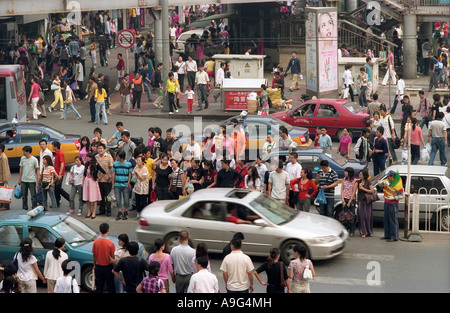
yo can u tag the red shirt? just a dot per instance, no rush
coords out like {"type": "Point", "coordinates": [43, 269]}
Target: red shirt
{"type": "Point", "coordinates": [303, 189]}
{"type": "Point", "coordinates": [121, 65]}
{"type": "Point", "coordinates": [243, 172]}
{"type": "Point", "coordinates": [103, 249]}
{"type": "Point", "coordinates": [59, 157]}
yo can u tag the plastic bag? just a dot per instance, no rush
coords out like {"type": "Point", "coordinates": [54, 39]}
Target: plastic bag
{"type": "Point", "coordinates": [321, 199]}
{"type": "Point", "coordinates": [18, 193]}
{"type": "Point", "coordinates": [424, 155]}
{"type": "Point", "coordinates": [404, 156]}
{"type": "Point", "coordinates": [307, 273]}
{"type": "Point", "coordinates": [111, 197]}
{"type": "Point", "coordinates": [6, 194]}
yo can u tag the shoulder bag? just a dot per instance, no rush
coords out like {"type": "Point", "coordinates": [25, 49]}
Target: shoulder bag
{"type": "Point", "coordinates": [307, 273]}
{"type": "Point", "coordinates": [396, 142]}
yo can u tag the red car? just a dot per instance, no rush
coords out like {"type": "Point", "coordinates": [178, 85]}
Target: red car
{"type": "Point", "coordinates": [335, 114]}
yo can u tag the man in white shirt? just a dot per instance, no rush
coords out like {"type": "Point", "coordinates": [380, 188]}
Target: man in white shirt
{"type": "Point", "coordinates": [191, 69]}
{"type": "Point", "coordinates": [220, 76]}
{"type": "Point", "coordinates": [388, 124]}
{"type": "Point", "coordinates": [194, 149]}
{"type": "Point", "coordinates": [279, 184]}
{"type": "Point", "coordinates": [237, 269]}
{"type": "Point", "coordinates": [181, 72]}
{"type": "Point", "coordinates": [201, 80]}
{"type": "Point", "coordinates": [293, 168]}
{"type": "Point", "coordinates": [203, 281]}
{"type": "Point", "coordinates": [44, 151]}
{"type": "Point", "coordinates": [347, 78]}
{"type": "Point", "coordinates": [399, 92]}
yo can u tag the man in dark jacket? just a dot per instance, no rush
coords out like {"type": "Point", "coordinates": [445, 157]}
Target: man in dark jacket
{"type": "Point", "coordinates": [228, 177]}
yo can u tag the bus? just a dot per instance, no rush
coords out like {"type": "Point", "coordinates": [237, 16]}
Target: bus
{"type": "Point", "coordinates": [13, 102]}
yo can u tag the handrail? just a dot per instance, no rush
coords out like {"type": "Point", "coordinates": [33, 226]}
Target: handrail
{"type": "Point", "coordinates": [365, 31]}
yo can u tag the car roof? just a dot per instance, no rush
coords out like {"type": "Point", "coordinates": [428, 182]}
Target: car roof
{"type": "Point", "coordinates": [15, 125]}
{"type": "Point", "coordinates": [44, 218]}
{"type": "Point", "coordinates": [225, 194]}
{"type": "Point", "coordinates": [328, 101]}
{"type": "Point", "coordinates": [420, 169]}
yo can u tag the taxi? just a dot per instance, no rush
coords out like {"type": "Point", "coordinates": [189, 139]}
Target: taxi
{"type": "Point", "coordinates": [15, 136]}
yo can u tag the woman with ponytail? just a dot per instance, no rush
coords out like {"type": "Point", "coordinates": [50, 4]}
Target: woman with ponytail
{"type": "Point", "coordinates": [27, 267]}
{"type": "Point", "coordinates": [53, 261]}
{"type": "Point", "coordinates": [277, 276]}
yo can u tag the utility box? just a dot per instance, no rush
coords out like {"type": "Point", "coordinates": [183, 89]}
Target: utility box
{"type": "Point", "coordinates": [241, 65]}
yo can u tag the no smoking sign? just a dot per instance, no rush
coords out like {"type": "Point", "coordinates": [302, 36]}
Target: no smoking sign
{"type": "Point", "coordinates": [126, 39]}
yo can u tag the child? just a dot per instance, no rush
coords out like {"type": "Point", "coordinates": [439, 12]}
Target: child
{"type": "Point", "coordinates": [66, 283]}
{"type": "Point", "coordinates": [264, 99]}
{"type": "Point", "coordinates": [190, 98]}
{"type": "Point", "coordinates": [152, 283]}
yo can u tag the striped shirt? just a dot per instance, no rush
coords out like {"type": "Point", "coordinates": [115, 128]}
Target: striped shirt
{"type": "Point", "coordinates": [328, 179]}
{"type": "Point", "coordinates": [47, 174]}
{"type": "Point", "coordinates": [122, 172]}
{"type": "Point", "coordinates": [106, 162]}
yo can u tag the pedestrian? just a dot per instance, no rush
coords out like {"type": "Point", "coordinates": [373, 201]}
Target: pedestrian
{"type": "Point", "coordinates": [100, 98]}
{"type": "Point", "coordinates": [305, 184]}
{"type": "Point", "coordinates": [364, 80]}
{"type": "Point", "coordinates": [66, 283]}
{"type": "Point", "coordinates": [60, 168]}
{"type": "Point", "coordinates": [201, 80]}
{"type": "Point", "coordinates": [158, 84]}
{"type": "Point", "coordinates": [203, 281]}
{"type": "Point", "coordinates": [408, 111]}
{"type": "Point", "coordinates": [237, 269]}
{"type": "Point", "coordinates": [138, 90]}
{"type": "Point", "coordinates": [423, 109]}
{"type": "Point", "coordinates": [228, 177]}
{"type": "Point", "coordinates": [399, 94]}
{"type": "Point", "coordinates": [120, 67]}
{"type": "Point", "coordinates": [191, 70]}
{"type": "Point", "coordinates": [53, 261]}
{"type": "Point", "coordinates": [348, 197]}
{"type": "Point", "coordinates": [380, 150]}
{"type": "Point", "coordinates": [79, 78]}
{"type": "Point", "coordinates": [132, 268]}
{"type": "Point", "coordinates": [284, 141]}
{"type": "Point", "coordinates": [295, 67]}
{"type": "Point", "coordinates": [161, 179]}
{"type": "Point", "coordinates": [178, 182]}
{"type": "Point", "coordinates": [106, 161]}
{"type": "Point", "coordinates": [277, 276]}
{"type": "Point", "coordinates": [373, 106]}
{"type": "Point", "coordinates": [103, 251]}
{"type": "Point", "coordinates": [125, 93]}
{"type": "Point", "coordinates": [195, 175]}
{"type": "Point", "coordinates": [121, 179]}
{"type": "Point", "coordinates": [164, 260]}
{"type": "Point", "coordinates": [91, 190]}
{"type": "Point", "coordinates": [279, 184]}
{"type": "Point", "coordinates": [5, 174]}
{"type": "Point", "coordinates": [365, 212]}
{"type": "Point", "coordinates": [33, 98]}
{"type": "Point", "coordinates": [389, 132]}
{"type": "Point", "coordinates": [76, 175]}
{"type": "Point", "coordinates": [28, 176]}
{"type": "Point", "coordinates": [182, 256]}
{"type": "Point", "coordinates": [56, 87]}
{"type": "Point", "coordinates": [325, 139]}
{"type": "Point", "coordinates": [121, 252]}
{"type": "Point", "coordinates": [181, 65]}
{"type": "Point", "coordinates": [141, 187]}
{"type": "Point", "coordinates": [435, 107]}
{"type": "Point", "coordinates": [345, 142]}
{"type": "Point", "coordinates": [47, 182]}
{"type": "Point", "coordinates": [437, 137]}
{"type": "Point", "coordinates": [327, 179]}
{"type": "Point", "coordinates": [27, 267]}
{"type": "Point", "coordinates": [68, 103]}
{"type": "Point", "coordinates": [83, 53]}
{"type": "Point", "coordinates": [363, 150]}
{"type": "Point", "coordinates": [435, 72]}
{"type": "Point", "coordinates": [391, 69]}
{"type": "Point", "coordinates": [297, 268]}
{"type": "Point", "coordinates": [347, 79]}
{"type": "Point", "coordinates": [152, 283]}
{"type": "Point", "coordinates": [392, 194]}
{"type": "Point", "coordinates": [416, 139]}
{"type": "Point", "coordinates": [147, 76]}
{"type": "Point", "coordinates": [293, 168]}
{"type": "Point", "coordinates": [92, 97]}
{"type": "Point", "coordinates": [172, 88]}
{"type": "Point", "coordinates": [252, 179]}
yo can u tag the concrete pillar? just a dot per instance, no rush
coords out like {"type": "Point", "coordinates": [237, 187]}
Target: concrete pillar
{"type": "Point", "coordinates": [167, 62]}
{"type": "Point", "coordinates": [158, 37]}
{"type": "Point", "coordinates": [409, 46]}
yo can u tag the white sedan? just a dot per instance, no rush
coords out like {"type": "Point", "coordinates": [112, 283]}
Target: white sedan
{"type": "Point", "coordinates": [213, 216]}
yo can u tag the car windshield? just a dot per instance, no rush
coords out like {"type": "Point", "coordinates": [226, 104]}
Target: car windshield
{"type": "Point", "coordinates": [55, 131]}
{"type": "Point", "coordinates": [74, 232]}
{"type": "Point", "coordinates": [273, 210]}
{"type": "Point", "coordinates": [339, 159]}
{"type": "Point", "coordinates": [353, 107]}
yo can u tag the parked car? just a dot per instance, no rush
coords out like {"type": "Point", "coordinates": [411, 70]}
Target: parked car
{"type": "Point", "coordinates": [44, 229]}
{"type": "Point", "coordinates": [431, 182]}
{"type": "Point", "coordinates": [29, 134]}
{"type": "Point", "coordinates": [204, 215]}
{"type": "Point", "coordinates": [335, 114]}
{"type": "Point", "coordinates": [310, 158]}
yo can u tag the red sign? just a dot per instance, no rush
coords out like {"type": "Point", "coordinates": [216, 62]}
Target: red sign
{"type": "Point", "coordinates": [236, 100]}
{"type": "Point", "coordinates": [126, 38]}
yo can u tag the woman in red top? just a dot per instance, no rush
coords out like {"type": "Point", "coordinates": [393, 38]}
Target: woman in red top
{"type": "Point", "coordinates": [305, 184]}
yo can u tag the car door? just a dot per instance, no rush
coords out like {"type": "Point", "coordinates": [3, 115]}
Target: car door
{"type": "Point", "coordinates": [10, 238]}
{"type": "Point", "coordinates": [43, 241]}
{"type": "Point", "coordinates": [13, 149]}
{"type": "Point", "coordinates": [304, 116]}
{"type": "Point", "coordinates": [328, 116]}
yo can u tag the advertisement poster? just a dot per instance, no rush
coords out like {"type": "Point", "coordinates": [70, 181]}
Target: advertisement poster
{"type": "Point", "coordinates": [236, 100]}
{"type": "Point", "coordinates": [327, 34]}
{"type": "Point", "coordinates": [311, 52]}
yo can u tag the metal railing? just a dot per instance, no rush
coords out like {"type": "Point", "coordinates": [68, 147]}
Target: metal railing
{"type": "Point", "coordinates": [292, 31]}
{"type": "Point", "coordinates": [430, 211]}
{"type": "Point", "coordinates": [423, 6]}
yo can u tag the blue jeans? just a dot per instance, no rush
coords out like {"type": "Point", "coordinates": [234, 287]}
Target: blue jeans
{"type": "Point", "coordinates": [148, 92]}
{"type": "Point", "coordinates": [51, 192]}
{"type": "Point", "coordinates": [122, 197]}
{"type": "Point", "coordinates": [438, 143]}
{"type": "Point", "coordinates": [328, 208]}
{"type": "Point", "coordinates": [390, 220]}
{"type": "Point", "coordinates": [66, 108]}
{"type": "Point", "coordinates": [100, 106]}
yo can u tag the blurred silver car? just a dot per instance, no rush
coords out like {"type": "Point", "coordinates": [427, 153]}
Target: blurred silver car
{"type": "Point", "coordinates": [204, 215]}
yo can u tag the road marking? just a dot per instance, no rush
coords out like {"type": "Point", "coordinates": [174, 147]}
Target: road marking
{"type": "Point", "coordinates": [345, 281]}
{"type": "Point", "coordinates": [371, 257]}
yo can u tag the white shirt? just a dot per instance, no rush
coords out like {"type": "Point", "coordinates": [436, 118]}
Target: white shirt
{"type": "Point", "coordinates": [78, 174]}
{"type": "Point", "coordinates": [348, 78]}
{"type": "Point", "coordinates": [190, 94]}
{"type": "Point", "coordinates": [249, 183]}
{"type": "Point", "coordinates": [293, 170]}
{"type": "Point", "coordinates": [191, 66]}
{"type": "Point", "coordinates": [41, 157]}
{"type": "Point", "coordinates": [262, 169]}
{"type": "Point", "coordinates": [201, 78]}
{"type": "Point", "coordinates": [279, 182]}
{"type": "Point", "coordinates": [181, 67]}
{"type": "Point", "coordinates": [65, 284]}
{"type": "Point", "coordinates": [220, 76]}
{"type": "Point", "coordinates": [26, 270]}
{"type": "Point", "coordinates": [385, 124]}
{"type": "Point", "coordinates": [237, 265]}
{"type": "Point", "coordinates": [173, 31]}
{"type": "Point", "coordinates": [203, 282]}
{"type": "Point", "coordinates": [52, 267]}
{"type": "Point", "coordinates": [196, 150]}
{"type": "Point", "coordinates": [400, 87]}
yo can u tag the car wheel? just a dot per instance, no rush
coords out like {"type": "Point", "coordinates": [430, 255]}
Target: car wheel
{"type": "Point", "coordinates": [171, 241]}
{"type": "Point", "coordinates": [287, 250]}
{"type": "Point", "coordinates": [444, 220]}
{"type": "Point", "coordinates": [339, 134]}
{"type": "Point", "coordinates": [87, 278]}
